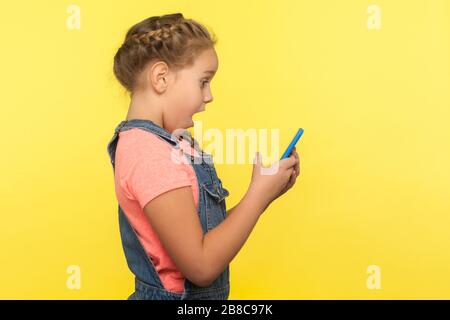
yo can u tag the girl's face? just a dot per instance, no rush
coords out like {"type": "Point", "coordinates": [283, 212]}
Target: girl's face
{"type": "Point", "coordinates": [191, 91]}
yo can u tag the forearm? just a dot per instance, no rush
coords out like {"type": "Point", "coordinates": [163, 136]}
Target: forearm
{"type": "Point", "coordinates": [221, 244]}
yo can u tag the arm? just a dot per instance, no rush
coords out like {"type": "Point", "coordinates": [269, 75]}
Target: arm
{"type": "Point", "coordinates": [200, 258]}
{"type": "Point", "coordinates": [221, 244]}
{"type": "Point", "coordinates": [174, 218]}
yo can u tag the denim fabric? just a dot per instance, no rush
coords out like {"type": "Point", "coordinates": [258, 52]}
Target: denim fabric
{"type": "Point", "coordinates": [211, 212]}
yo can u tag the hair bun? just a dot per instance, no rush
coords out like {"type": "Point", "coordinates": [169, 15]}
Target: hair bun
{"type": "Point", "coordinates": [169, 19]}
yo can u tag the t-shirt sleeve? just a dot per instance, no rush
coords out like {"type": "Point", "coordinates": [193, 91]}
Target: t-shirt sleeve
{"type": "Point", "coordinates": [155, 171]}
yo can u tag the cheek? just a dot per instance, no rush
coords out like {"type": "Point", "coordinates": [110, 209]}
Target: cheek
{"type": "Point", "coordinates": [187, 99]}
{"type": "Point", "coordinates": [191, 98]}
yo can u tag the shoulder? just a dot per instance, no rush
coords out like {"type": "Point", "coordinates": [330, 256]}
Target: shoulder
{"type": "Point", "coordinates": [140, 138]}
{"type": "Point", "coordinates": [138, 144]}
{"type": "Point", "coordinates": [147, 165]}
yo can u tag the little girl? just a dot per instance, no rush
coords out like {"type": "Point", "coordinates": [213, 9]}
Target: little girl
{"type": "Point", "coordinates": [177, 235]}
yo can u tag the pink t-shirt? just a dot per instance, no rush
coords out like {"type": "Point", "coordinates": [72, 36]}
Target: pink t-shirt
{"type": "Point", "coordinates": [144, 169]}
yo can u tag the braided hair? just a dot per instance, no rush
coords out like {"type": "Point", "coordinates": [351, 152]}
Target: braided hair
{"type": "Point", "coordinates": [170, 38]}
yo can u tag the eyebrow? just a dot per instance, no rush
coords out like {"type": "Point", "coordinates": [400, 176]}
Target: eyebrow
{"type": "Point", "coordinates": [210, 71]}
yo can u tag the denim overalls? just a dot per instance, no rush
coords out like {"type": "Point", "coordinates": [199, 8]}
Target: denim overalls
{"type": "Point", "coordinates": [211, 212]}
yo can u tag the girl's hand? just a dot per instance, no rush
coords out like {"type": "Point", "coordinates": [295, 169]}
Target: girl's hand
{"type": "Point", "coordinates": [295, 173]}
{"type": "Point", "coordinates": [269, 183]}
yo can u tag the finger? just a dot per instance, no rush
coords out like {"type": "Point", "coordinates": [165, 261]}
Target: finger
{"type": "Point", "coordinates": [297, 166]}
{"type": "Point", "coordinates": [289, 161]}
{"type": "Point", "coordinates": [295, 174]}
{"type": "Point", "coordinates": [258, 159]}
{"type": "Point", "coordinates": [293, 151]}
{"type": "Point", "coordinates": [294, 163]}
{"type": "Point", "coordinates": [292, 179]}
{"type": "Point", "coordinates": [288, 184]}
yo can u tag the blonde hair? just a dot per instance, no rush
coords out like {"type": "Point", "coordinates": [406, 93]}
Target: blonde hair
{"type": "Point", "coordinates": [170, 38]}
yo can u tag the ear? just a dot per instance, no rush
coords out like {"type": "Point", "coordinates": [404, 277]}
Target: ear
{"type": "Point", "coordinates": [157, 75]}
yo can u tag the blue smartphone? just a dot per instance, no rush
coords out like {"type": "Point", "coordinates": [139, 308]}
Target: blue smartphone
{"type": "Point", "coordinates": [291, 146]}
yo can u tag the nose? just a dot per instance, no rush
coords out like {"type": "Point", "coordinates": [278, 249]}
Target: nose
{"type": "Point", "coordinates": [208, 98]}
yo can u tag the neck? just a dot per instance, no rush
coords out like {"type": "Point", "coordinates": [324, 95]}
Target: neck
{"type": "Point", "coordinates": [141, 108]}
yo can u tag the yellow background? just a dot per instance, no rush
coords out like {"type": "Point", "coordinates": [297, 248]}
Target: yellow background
{"type": "Point", "coordinates": [375, 180]}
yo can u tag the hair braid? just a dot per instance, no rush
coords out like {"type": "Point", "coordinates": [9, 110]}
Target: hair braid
{"type": "Point", "coordinates": [170, 38]}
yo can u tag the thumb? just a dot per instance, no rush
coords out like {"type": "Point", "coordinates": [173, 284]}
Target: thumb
{"type": "Point", "coordinates": [258, 159]}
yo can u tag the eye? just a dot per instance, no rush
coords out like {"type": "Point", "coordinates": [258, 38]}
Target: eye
{"type": "Point", "coordinates": [203, 83]}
